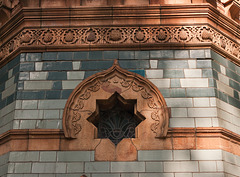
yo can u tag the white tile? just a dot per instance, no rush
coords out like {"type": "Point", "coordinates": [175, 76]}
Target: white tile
{"type": "Point", "coordinates": [178, 112]}
{"type": "Point", "coordinates": [194, 82]}
{"type": "Point", "coordinates": [154, 74]}
{"type": "Point", "coordinates": [192, 73]}
{"type": "Point", "coordinates": [207, 166]}
{"type": "Point", "coordinates": [75, 75]}
{"type": "Point", "coordinates": [153, 63]}
{"type": "Point", "coordinates": [223, 69]}
{"type": "Point", "coordinates": [201, 102]}
{"type": "Point", "coordinates": [38, 66]}
{"type": "Point", "coordinates": [206, 154]}
{"type": "Point", "coordinates": [225, 88]}
{"type": "Point", "coordinates": [181, 154]}
{"type": "Point", "coordinates": [179, 102]}
{"type": "Point", "coordinates": [192, 63]}
{"type": "Point", "coordinates": [161, 83]}
{"type": "Point", "coordinates": [70, 84]}
{"type": "Point", "coordinates": [202, 112]}
{"type": "Point", "coordinates": [76, 65]}
{"type": "Point", "coordinates": [203, 122]}
{"type": "Point", "coordinates": [182, 122]}
{"type": "Point", "coordinates": [181, 166]}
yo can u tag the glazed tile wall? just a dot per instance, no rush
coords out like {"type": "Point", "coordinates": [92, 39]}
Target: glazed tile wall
{"type": "Point", "coordinates": [170, 163]}
{"type": "Point", "coordinates": [197, 85]}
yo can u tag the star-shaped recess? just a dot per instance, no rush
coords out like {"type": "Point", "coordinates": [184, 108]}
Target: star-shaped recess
{"type": "Point", "coordinates": [116, 118]}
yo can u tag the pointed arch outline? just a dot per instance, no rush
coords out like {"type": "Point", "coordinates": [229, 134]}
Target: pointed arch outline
{"type": "Point", "coordinates": [81, 104]}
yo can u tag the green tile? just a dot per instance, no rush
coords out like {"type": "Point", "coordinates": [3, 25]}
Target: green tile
{"type": "Point", "coordinates": [53, 94]}
{"type": "Point", "coordinates": [175, 83]}
{"type": "Point", "coordinates": [65, 55]}
{"type": "Point", "coordinates": [234, 102]}
{"type": "Point", "coordinates": [134, 64]}
{"type": "Point", "coordinates": [80, 56]}
{"type": "Point", "coordinates": [236, 95]}
{"type": "Point", "coordinates": [33, 56]}
{"type": "Point", "coordinates": [27, 66]}
{"type": "Point", "coordinates": [161, 54]}
{"type": "Point", "coordinates": [89, 73]}
{"type": "Point", "coordinates": [222, 96]}
{"type": "Point", "coordinates": [204, 63]}
{"type": "Point", "coordinates": [218, 58]}
{"type": "Point", "coordinates": [212, 83]}
{"type": "Point", "coordinates": [208, 73]}
{"type": "Point", "coordinates": [181, 53]}
{"type": "Point", "coordinates": [234, 85]}
{"type": "Point", "coordinates": [96, 65]}
{"type": "Point", "coordinates": [201, 92]}
{"type": "Point", "coordinates": [50, 56]}
{"type": "Point", "coordinates": [176, 93]}
{"type": "Point", "coordinates": [172, 64]}
{"type": "Point", "coordinates": [232, 75]}
{"type": "Point", "coordinates": [231, 65]}
{"type": "Point", "coordinates": [110, 54]}
{"type": "Point", "coordinates": [140, 72]}
{"type": "Point", "coordinates": [95, 55]}
{"type": "Point", "coordinates": [57, 66]}
{"type": "Point", "coordinates": [126, 55]}
{"type": "Point", "coordinates": [215, 74]}
{"type": "Point", "coordinates": [30, 95]}
{"type": "Point", "coordinates": [197, 54]}
{"type": "Point", "coordinates": [61, 75]}
{"type": "Point", "coordinates": [171, 73]}
{"type": "Point", "coordinates": [165, 93]}
{"type": "Point", "coordinates": [142, 55]}
{"type": "Point", "coordinates": [66, 93]}
{"type": "Point", "coordinates": [216, 66]}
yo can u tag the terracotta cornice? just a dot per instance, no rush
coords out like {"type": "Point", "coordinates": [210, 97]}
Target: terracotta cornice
{"type": "Point", "coordinates": [80, 18]}
{"type": "Point", "coordinates": [177, 138]}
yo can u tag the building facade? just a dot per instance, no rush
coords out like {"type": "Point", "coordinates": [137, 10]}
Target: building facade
{"type": "Point", "coordinates": [119, 88]}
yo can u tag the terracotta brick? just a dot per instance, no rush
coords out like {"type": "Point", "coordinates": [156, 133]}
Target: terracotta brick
{"type": "Point", "coordinates": [126, 151]}
{"type": "Point", "coordinates": [105, 151]}
{"type": "Point", "coordinates": [43, 144]}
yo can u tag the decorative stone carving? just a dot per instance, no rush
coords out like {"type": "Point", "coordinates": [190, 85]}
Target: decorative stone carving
{"type": "Point", "coordinates": [82, 106]}
{"type": "Point", "coordinates": [161, 35]}
{"type": "Point", "coordinates": [103, 36]}
{"type": "Point", "coordinates": [91, 36]}
{"type": "Point", "coordinates": [115, 35]}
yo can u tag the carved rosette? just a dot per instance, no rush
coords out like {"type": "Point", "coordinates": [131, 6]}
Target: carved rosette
{"type": "Point", "coordinates": [69, 36]}
{"type": "Point", "coordinates": [91, 36]}
{"type": "Point", "coordinates": [139, 35]}
{"type": "Point", "coordinates": [183, 35]}
{"type": "Point", "coordinates": [161, 35]}
{"type": "Point", "coordinates": [27, 37]}
{"type": "Point", "coordinates": [115, 35]}
{"type": "Point", "coordinates": [205, 34]}
{"type": "Point", "coordinates": [47, 37]}
{"type": "Point", "coordinates": [128, 85]}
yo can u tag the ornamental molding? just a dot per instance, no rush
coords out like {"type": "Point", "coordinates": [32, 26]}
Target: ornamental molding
{"type": "Point", "coordinates": [120, 37]}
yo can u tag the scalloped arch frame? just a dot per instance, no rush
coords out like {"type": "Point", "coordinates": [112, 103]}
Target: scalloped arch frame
{"type": "Point", "coordinates": [130, 86]}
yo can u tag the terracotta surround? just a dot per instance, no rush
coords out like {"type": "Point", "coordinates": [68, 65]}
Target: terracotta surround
{"type": "Point", "coordinates": [82, 105]}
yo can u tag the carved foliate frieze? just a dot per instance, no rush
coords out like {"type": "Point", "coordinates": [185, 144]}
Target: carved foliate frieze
{"type": "Point", "coordinates": [74, 37]}
{"type": "Point", "coordinates": [116, 80]}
